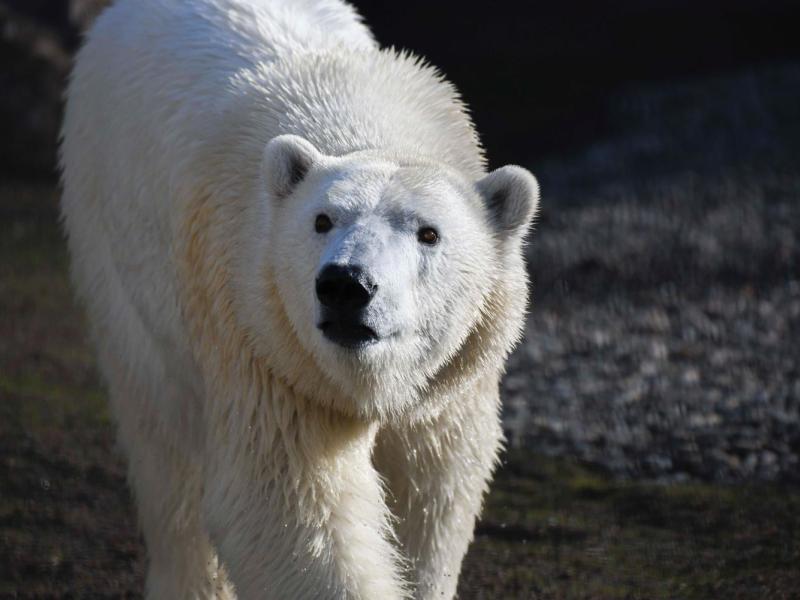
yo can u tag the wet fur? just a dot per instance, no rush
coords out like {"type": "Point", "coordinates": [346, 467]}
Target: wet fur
{"type": "Point", "coordinates": [254, 473]}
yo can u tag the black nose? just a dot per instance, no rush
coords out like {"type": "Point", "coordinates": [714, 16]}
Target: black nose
{"type": "Point", "coordinates": [344, 287]}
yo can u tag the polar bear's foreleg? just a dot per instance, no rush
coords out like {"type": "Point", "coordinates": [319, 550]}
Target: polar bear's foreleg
{"type": "Point", "coordinates": [437, 474]}
{"type": "Point", "coordinates": [181, 561]}
{"type": "Point", "coordinates": [295, 507]}
{"type": "Point", "coordinates": [153, 413]}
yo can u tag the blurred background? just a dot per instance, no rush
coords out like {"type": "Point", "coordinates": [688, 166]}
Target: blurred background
{"type": "Point", "coordinates": [653, 410]}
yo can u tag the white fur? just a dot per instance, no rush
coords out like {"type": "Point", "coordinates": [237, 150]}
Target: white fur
{"type": "Point", "coordinates": [200, 141]}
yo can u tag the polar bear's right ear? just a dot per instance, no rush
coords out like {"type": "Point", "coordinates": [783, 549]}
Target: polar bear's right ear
{"type": "Point", "coordinates": [287, 160]}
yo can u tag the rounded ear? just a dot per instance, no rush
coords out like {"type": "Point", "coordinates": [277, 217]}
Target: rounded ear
{"type": "Point", "coordinates": [511, 195]}
{"type": "Point", "coordinates": [287, 160]}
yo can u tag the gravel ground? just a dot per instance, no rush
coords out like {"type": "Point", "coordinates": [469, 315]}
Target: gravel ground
{"type": "Point", "coordinates": [659, 385]}
{"type": "Point", "coordinates": [664, 335]}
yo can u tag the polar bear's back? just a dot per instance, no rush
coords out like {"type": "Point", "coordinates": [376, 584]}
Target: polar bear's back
{"type": "Point", "coordinates": [155, 77]}
{"type": "Point", "coordinates": [158, 78]}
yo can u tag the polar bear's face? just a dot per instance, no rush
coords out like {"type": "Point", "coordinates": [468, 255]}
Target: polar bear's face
{"type": "Point", "coordinates": [383, 269]}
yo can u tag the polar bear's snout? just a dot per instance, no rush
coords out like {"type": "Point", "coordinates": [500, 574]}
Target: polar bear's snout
{"type": "Point", "coordinates": [344, 291]}
{"type": "Point", "coordinates": [344, 288]}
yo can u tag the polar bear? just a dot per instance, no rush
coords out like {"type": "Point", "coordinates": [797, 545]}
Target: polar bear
{"type": "Point", "coordinates": [302, 285]}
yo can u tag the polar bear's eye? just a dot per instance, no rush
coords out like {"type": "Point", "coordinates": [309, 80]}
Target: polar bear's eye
{"type": "Point", "coordinates": [322, 224]}
{"type": "Point", "coordinates": [428, 235]}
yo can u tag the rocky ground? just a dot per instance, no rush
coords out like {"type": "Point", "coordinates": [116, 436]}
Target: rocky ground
{"type": "Point", "coordinates": [664, 336]}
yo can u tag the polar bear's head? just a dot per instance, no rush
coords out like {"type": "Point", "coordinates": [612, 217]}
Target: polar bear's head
{"type": "Point", "coordinates": [384, 267]}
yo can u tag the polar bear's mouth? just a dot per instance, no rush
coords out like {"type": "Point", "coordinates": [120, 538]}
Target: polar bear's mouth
{"type": "Point", "coordinates": [348, 334]}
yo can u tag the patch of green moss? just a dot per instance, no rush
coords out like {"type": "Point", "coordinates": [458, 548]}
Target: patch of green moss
{"type": "Point", "coordinates": [32, 404]}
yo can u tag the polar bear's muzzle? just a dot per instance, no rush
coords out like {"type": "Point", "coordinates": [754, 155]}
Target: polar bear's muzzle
{"type": "Point", "coordinates": [344, 292]}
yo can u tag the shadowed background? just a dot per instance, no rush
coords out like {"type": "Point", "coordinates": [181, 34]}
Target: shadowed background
{"type": "Point", "coordinates": [653, 410]}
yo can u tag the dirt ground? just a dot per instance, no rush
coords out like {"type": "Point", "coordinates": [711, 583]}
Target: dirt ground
{"type": "Point", "coordinates": [552, 528]}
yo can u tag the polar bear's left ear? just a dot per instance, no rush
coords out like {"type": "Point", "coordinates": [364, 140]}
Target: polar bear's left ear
{"type": "Point", "coordinates": [511, 194]}
{"type": "Point", "coordinates": [287, 160]}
